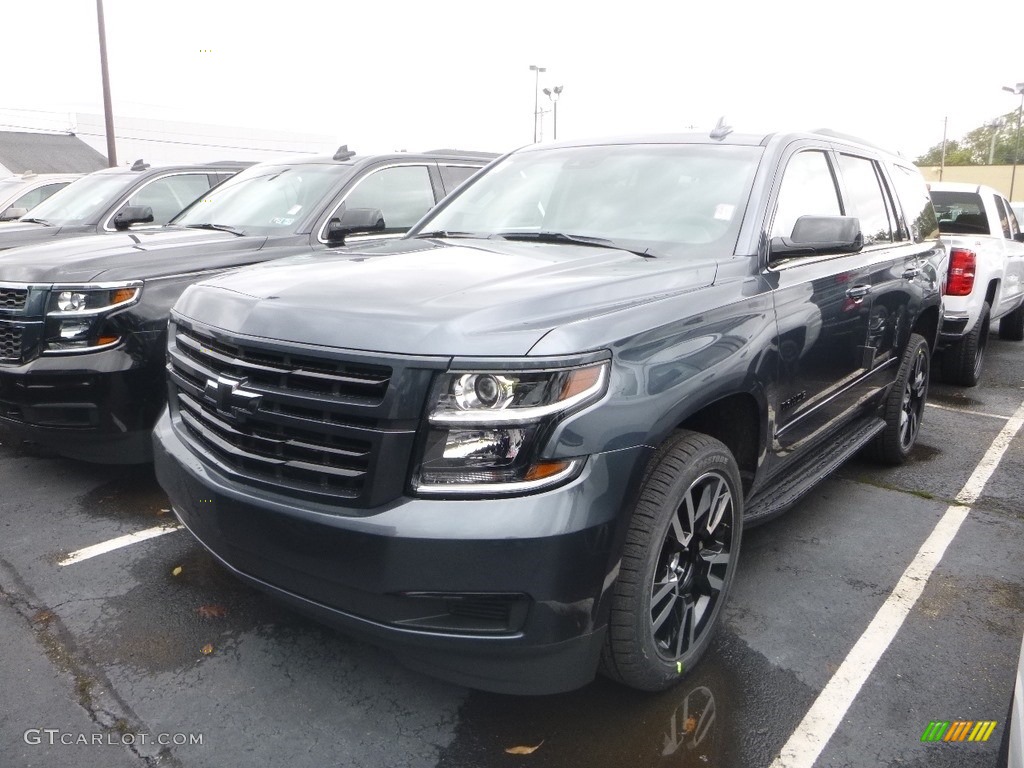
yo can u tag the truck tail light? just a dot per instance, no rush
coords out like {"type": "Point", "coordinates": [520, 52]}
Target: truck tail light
{"type": "Point", "coordinates": [962, 265]}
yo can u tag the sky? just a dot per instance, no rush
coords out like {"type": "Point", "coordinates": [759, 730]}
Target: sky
{"type": "Point", "coordinates": [383, 75]}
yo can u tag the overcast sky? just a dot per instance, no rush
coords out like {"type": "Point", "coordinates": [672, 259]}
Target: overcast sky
{"type": "Point", "coordinates": [384, 75]}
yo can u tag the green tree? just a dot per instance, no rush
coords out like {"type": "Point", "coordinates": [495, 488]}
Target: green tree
{"type": "Point", "coordinates": [992, 143]}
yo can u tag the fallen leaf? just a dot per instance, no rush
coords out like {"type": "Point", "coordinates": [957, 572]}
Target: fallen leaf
{"type": "Point", "coordinates": [176, 571]}
{"type": "Point", "coordinates": [43, 617]}
{"type": "Point", "coordinates": [212, 611]}
{"type": "Point", "coordinates": [523, 750]}
{"type": "Point", "coordinates": [690, 725]}
{"type": "Point", "coordinates": [207, 649]}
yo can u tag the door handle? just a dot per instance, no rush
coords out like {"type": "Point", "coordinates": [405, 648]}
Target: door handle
{"type": "Point", "coordinates": [911, 272]}
{"type": "Point", "coordinates": [858, 292]}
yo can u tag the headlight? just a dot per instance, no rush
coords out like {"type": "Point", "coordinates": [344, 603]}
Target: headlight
{"type": "Point", "coordinates": [77, 316]}
{"type": "Point", "coordinates": [488, 427]}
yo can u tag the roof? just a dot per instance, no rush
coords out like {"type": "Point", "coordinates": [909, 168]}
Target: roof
{"type": "Point", "coordinates": [48, 153]}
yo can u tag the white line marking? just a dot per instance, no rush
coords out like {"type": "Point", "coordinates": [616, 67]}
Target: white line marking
{"type": "Point", "coordinates": [121, 541]}
{"type": "Point", "coordinates": [827, 713]}
{"type": "Point", "coordinates": [972, 413]}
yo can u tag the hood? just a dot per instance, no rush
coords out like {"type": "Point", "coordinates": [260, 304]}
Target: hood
{"type": "Point", "coordinates": [429, 298]}
{"type": "Point", "coordinates": [122, 255]}
{"type": "Point", "coordinates": [15, 233]}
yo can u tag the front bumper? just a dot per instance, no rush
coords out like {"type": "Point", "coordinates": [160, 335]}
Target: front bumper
{"type": "Point", "coordinates": [97, 407]}
{"type": "Point", "coordinates": [508, 595]}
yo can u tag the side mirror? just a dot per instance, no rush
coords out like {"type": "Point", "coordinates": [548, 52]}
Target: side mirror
{"type": "Point", "coordinates": [819, 236]}
{"type": "Point", "coordinates": [133, 214]}
{"type": "Point", "coordinates": [13, 213]}
{"type": "Point", "coordinates": [354, 221]}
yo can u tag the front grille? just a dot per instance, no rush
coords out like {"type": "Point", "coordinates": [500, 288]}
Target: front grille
{"type": "Point", "coordinates": [301, 424]}
{"type": "Point", "coordinates": [13, 298]}
{"type": "Point", "coordinates": [10, 342]}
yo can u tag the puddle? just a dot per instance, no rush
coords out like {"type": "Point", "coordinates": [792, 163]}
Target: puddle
{"type": "Point", "coordinates": [733, 711]}
{"type": "Point", "coordinates": [134, 493]}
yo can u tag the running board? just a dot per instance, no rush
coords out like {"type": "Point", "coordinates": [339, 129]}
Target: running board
{"type": "Point", "coordinates": [820, 462]}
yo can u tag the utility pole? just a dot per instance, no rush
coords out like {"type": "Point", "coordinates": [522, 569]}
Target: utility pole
{"type": "Point", "coordinates": [108, 114]}
{"type": "Point", "coordinates": [942, 162]}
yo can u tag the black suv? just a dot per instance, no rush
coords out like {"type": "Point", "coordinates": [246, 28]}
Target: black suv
{"type": "Point", "coordinates": [524, 441]}
{"type": "Point", "coordinates": [114, 199]}
{"type": "Point", "coordinates": [83, 323]}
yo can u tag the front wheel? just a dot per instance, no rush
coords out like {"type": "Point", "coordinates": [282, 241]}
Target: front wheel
{"type": "Point", "coordinates": [677, 565]}
{"type": "Point", "coordinates": [904, 405]}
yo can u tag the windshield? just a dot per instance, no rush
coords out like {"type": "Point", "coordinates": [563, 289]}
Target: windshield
{"type": "Point", "coordinates": [264, 200]}
{"type": "Point", "coordinates": [83, 201]}
{"type": "Point", "coordinates": [660, 199]}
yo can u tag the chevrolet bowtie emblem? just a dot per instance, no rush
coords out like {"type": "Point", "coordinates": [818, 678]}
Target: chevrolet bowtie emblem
{"type": "Point", "coordinates": [229, 397]}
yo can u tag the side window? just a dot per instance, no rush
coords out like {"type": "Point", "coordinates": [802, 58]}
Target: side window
{"type": "Point", "coordinates": [916, 202]}
{"type": "Point", "coordinates": [402, 193]}
{"type": "Point", "coordinates": [167, 196]}
{"type": "Point", "coordinates": [453, 175]}
{"type": "Point", "coordinates": [1004, 217]}
{"type": "Point", "coordinates": [868, 199]}
{"type": "Point", "coordinates": [808, 189]}
{"type": "Point", "coordinates": [36, 196]}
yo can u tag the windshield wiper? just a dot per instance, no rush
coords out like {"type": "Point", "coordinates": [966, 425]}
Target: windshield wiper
{"type": "Point", "coordinates": [446, 233]}
{"type": "Point", "coordinates": [218, 227]}
{"type": "Point", "coordinates": [561, 237]}
{"type": "Point", "coordinates": [44, 222]}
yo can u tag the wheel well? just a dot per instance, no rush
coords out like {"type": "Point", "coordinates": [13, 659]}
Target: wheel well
{"type": "Point", "coordinates": [734, 420]}
{"type": "Point", "coordinates": [928, 326]}
{"type": "Point", "coordinates": [990, 295]}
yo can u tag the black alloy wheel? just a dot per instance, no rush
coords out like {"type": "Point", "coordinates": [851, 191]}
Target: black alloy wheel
{"type": "Point", "coordinates": [903, 409]}
{"type": "Point", "coordinates": [678, 562]}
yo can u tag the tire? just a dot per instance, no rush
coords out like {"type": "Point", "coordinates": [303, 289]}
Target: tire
{"type": "Point", "coordinates": [962, 362]}
{"type": "Point", "coordinates": [1011, 327]}
{"type": "Point", "coordinates": [672, 584]}
{"type": "Point", "coordinates": [904, 405]}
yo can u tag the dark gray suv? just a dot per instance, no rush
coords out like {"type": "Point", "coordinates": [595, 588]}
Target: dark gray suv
{"type": "Point", "coordinates": [523, 442]}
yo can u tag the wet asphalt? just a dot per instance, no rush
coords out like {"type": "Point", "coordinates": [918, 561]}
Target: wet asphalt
{"type": "Point", "coordinates": [125, 647]}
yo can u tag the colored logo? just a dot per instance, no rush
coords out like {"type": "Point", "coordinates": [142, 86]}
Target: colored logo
{"type": "Point", "coordinates": [959, 730]}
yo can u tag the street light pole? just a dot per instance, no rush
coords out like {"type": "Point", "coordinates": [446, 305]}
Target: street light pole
{"type": "Point", "coordinates": [1019, 90]}
{"type": "Point", "coordinates": [536, 97]}
{"type": "Point", "coordinates": [553, 94]}
{"type": "Point", "coordinates": [108, 113]}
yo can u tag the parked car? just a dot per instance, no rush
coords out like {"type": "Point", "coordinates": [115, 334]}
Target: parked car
{"type": "Point", "coordinates": [1012, 747]}
{"type": "Point", "coordinates": [18, 194]}
{"type": "Point", "coordinates": [114, 199]}
{"type": "Point", "coordinates": [986, 277]}
{"type": "Point", "coordinates": [83, 322]}
{"type": "Point", "coordinates": [524, 440]}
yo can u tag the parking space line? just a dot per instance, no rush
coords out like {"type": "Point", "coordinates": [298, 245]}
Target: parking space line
{"type": "Point", "coordinates": [971, 413]}
{"type": "Point", "coordinates": [828, 710]}
{"type": "Point", "coordinates": [121, 541]}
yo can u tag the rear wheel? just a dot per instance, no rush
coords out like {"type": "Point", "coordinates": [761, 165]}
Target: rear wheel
{"type": "Point", "coordinates": [677, 565]}
{"type": "Point", "coordinates": [904, 405]}
{"type": "Point", "coordinates": [962, 362]}
{"type": "Point", "coordinates": [1011, 327]}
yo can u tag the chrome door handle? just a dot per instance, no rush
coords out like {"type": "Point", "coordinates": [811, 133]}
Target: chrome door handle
{"type": "Point", "coordinates": [858, 292]}
{"type": "Point", "coordinates": [911, 272]}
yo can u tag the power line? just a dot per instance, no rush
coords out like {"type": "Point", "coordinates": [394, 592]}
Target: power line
{"type": "Point", "coordinates": [198, 144]}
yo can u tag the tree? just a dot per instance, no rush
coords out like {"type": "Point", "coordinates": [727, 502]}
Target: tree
{"type": "Point", "coordinates": [989, 144]}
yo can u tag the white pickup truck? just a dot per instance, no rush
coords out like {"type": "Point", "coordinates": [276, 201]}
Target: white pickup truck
{"type": "Point", "coordinates": [986, 275]}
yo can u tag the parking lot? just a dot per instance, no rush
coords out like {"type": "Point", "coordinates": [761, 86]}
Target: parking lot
{"type": "Point", "coordinates": [145, 652]}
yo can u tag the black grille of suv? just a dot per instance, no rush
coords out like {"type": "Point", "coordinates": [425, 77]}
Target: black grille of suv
{"type": "Point", "coordinates": [298, 424]}
{"type": "Point", "coordinates": [13, 298]}
{"type": "Point", "coordinates": [10, 342]}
